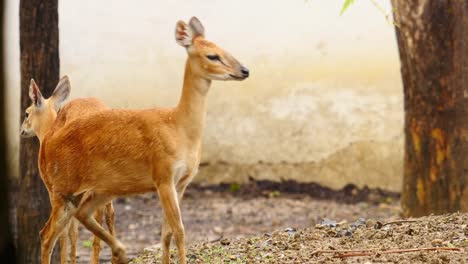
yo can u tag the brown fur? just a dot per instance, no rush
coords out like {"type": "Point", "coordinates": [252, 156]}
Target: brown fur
{"type": "Point", "coordinates": [123, 152]}
{"type": "Point", "coordinates": [83, 107]}
{"type": "Point", "coordinates": [78, 108]}
{"type": "Point", "coordinates": [46, 121]}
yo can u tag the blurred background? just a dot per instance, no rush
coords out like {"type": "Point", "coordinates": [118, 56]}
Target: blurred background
{"type": "Point", "coordinates": [323, 103]}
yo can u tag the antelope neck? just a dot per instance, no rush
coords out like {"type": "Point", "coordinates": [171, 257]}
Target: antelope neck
{"type": "Point", "coordinates": [191, 110]}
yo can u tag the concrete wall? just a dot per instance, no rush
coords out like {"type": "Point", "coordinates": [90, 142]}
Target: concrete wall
{"type": "Point", "coordinates": [323, 103]}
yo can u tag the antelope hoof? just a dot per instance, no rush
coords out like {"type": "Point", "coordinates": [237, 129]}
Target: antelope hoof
{"type": "Point", "coordinates": [119, 257]}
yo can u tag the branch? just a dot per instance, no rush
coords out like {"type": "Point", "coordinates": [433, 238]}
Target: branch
{"type": "Point", "coordinates": [387, 15]}
{"type": "Point", "coordinates": [399, 222]}
{"type": "Point", "coordinates": [316, 252]}
{"type": "Point", "coordinates": [369, 252]}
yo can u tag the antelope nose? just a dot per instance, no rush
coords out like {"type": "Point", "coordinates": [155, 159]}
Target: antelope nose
{"type": "Point", "coordinates": [245, 72]}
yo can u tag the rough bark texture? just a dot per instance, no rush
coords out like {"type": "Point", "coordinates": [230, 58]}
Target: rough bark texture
{"type": "Point", "coordinates": [433, 43]}
{"type": "Point", "coordinates": [39, 52]}
{"type": "Point", "coordinates": [7, 249]}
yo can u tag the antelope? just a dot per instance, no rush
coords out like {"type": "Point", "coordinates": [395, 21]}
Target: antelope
{"type": "Point", "coordinates": [45, 116]}
{"type": "Point", "coordinates": [121, 152]}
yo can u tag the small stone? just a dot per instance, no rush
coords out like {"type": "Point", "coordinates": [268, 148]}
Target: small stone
{"type": "Point", "coordinates": [378, 225]}
{"type": "Point", "coordinates": [342, 222]}
{"type": "Point", "coordinates": [232, 257]}
{"type": "Point", "coordinates": [379, 235]}
{"type": "Point", "coordinates": [225, 242]}
{"type": "Point", "coordinates": [295, 246]}
{"type": "Point", "coordinates": [410, 232]}
{"type": "Point", "coordinates": [436, 242]}
{"type": "Point", "coordinates": [344, 232]}
{"type": "Point", "coordinates": [360, 222]}
{"type": "Point", "coordinates": [290, 231]}
{"type": "Point", "coordinates": [328, 222]}
{"type": "Point", "coordinates": [389, 233]}
{"type": "Point", "coordinates": [370, 223]}
{"type": "Point", "coordinates": [218, 230]}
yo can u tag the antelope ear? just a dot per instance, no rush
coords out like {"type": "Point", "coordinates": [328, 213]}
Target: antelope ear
{"type": "Point", "coordinates": [61, 92]}
{"type": "Point", "coordinates": [197, 27]}
{"type": "Point", "coordinates": [183, 34]}
{"type": "Point", "coordinates": [35, 94]}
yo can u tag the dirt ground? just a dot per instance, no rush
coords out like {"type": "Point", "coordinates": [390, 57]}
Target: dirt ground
{"type": "Point", "coordinates": [376, 242]}
{"type": "Point", "coordinates": [234, 212]}
{"type": "Point", "coordinates": [287, 222]}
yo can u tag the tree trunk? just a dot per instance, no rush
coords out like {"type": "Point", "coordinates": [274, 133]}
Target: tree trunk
{"type": "Point", "coordinates": [7, 249]}
{"type": "Point", "coordinates": [39, 53]}
{"type": "Point", "coordinates": [433, 43]}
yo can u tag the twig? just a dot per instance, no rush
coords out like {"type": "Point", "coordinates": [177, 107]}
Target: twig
{"type": "Point", "coordinates": [394, 251]}
{"type": "Point", "coordinates": [354, 254]}
{"type": "Point", "coordinates": [399, 221]}
{"type": "Point", "coordinates": [373, 234]}
{"type": "Point", "coordinates": [387, 15]}
{"type": "Point", "coordinates": [216, 239]}
{"type": "Point", "coordinates": [369, 252]}
{"type": "Point", "coordinates": [316, 252]}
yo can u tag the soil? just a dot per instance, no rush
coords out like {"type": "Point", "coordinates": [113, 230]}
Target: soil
{"type": "Point", "coordinates": [446, 235]}
{"type": "Point", "coordinates": [230, 211]}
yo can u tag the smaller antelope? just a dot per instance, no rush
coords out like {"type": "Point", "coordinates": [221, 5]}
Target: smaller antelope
{"type": "Point", "coordinates": [45, 116]}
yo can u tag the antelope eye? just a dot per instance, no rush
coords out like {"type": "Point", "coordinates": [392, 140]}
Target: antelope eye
{"type": "Point", "coordinates": [27, 114]}
{"type": "Point", "coordinates": [213, 57]}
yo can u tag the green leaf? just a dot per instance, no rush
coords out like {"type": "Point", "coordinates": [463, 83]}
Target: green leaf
{"type": "Point", "coordinates": [346, 4]}
{"type": "Point", "coordinates": [450, 245]}
{"type": "Point", "coordinates": [234, 187]}
{"type": "Point", "coordinates": [87, 243]}
{"type": "Point", "coordinates": [274, 194]}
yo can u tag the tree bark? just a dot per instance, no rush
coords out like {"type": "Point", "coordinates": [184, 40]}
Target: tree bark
{"type": "Point", "coordinates": [7, 249]}
{"type": "Point", "coordinates": [39, 52]}
{"type": "Point", "coordinates": [432, 38]}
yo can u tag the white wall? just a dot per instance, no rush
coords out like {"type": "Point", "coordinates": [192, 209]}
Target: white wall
{"type": "Point", "coordinates": [323, 103]}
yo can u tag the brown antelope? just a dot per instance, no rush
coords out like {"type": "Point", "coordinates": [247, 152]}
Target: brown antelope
{"type": "Point", "coordinates": [112, 153]}
{"type": "Point", "coordinates": [45, 116]}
